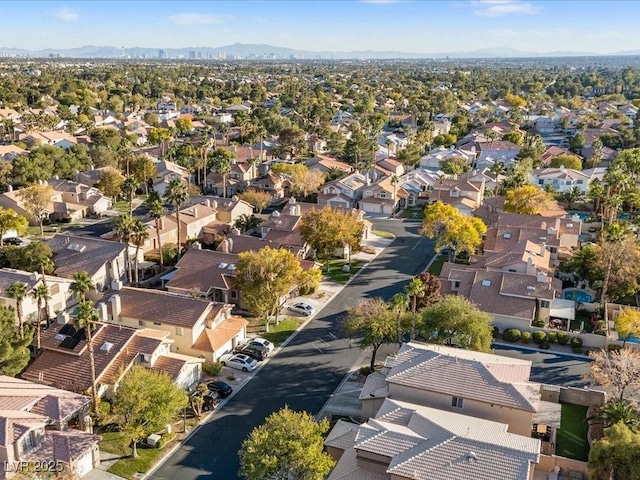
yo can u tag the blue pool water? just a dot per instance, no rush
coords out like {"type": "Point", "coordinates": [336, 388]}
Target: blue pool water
{"type": "Point", "coordinates": [582, 215]}
{"type": "Point", "coordinates": [631, 339]}
{"type": "Point", "coordinates": [578, 296]}
{"type": "Point", "coordinates": [584, 237]}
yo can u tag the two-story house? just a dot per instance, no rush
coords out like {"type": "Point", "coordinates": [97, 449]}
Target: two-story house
{"type": "Point", "coordinates": [270, 183]}
{"type": "Point", "coordinates": [561, 179]}
{"type": "Point", "coordinates": [41, 424]}
{"type": "Point", "coordinates": [463, 194]}
{"type": "Point", "coordinates": [195, 327]}
{"type": "Point", "coordinates": [383, 197]}
{"type": "Point", "coordinates": [345, 192]}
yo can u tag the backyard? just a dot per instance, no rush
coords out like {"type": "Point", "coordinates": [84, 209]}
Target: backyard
{"type": "Point", "coordinates": [571, 441]}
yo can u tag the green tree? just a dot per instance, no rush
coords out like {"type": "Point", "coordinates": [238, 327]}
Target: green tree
{"type": "Point", "coordinates": [246, 222]}
{"type": "Point", "coordinates": [617, 455]}
{"type": "Point", "coordinates": [264, 277]}
{"type": "Point", "coordinates": [526, 200]}
{"type": "Point", "coordinates": [37, 202]}
{"type": "Point", "coordinates": [35, 257]}
{"type": "Point", "coordinates": [129, 187]}
{"type": "Point", "coordinates": [81, 285]}
{"type": "Point", "coordinates": [123, 226]}
{"type": "Point", "coordinates": [10, 220]}
{"type": "Point", "coordinates": [156, 212]}
{"type": "Point", "coordinates": [139, 235]}
{"type": "Point", "coordinates": [374, 323]}
{"type": "Point", "coordinates": [222, 161]}
{"type": "Point", "coordinates": [576, 142]}
{"type": "Point", "coordinates": [567, 161]}
{"type": "Point", "coordinates": [415, 290]}
{"type": "Point", "coordinates": [454, 320]}
{"type": "Point", "coordinates": [14, 351]}
{"type": "Point", "coordinates": [18, 291]}
{"type": "Point", "coordinates": [614, 411]}
{"type": "Point", "coordinates": [431, 287]}
{"type": "Point", "coordinates": [160, 136]}
{"type": "Point", "coordinates": [143, 170]}
{"type": "Point", "coordinates": [573, 195]}
{"type": "Point", "coordinates": [86, 318]}
{"type": "Point", "coordinates": [287, 446]}
{"type": "Point", "coordinates": [256, 198]}
{"type": "Point", "coordinates": [399, 304]}
{"type": "Point", "coordinates": [110, 183]}
{"type": "Point", "coordinates": [41, 294]}
{"type": "Point", "coordinates": [145, 402]}
{"type": "Point", "coordinates": [177, 193]}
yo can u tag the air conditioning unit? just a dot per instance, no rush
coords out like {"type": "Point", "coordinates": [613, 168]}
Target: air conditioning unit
{"type": "Point", "coordinates": [153, 439]}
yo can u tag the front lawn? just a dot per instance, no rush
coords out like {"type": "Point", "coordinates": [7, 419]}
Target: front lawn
{"type": "Point", "coordinates": [413, 214]}
{"type": "Point", "coordinates": [127, 467]}
{"type": "Point", "coordinates": [279, 333]}
{"type": "Point", "coordinates": [571, 441]}
{"type": "Point", "coordinates": [336, 274]}
{"type": "Point", "coordinates": [436, 267]}
{"type": "Point", "coordinates": [383, 234]}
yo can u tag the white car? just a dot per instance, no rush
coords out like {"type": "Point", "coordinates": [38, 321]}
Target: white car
{"type": "Point", "coordinates": [302, 308]}
{"type": "Point", "coordinates": [261, 342]}
{"type": "Point", "coordinates": [239, 361]}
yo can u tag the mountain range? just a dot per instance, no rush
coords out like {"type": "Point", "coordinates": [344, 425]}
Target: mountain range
{"type": "Point", "coordinates": [240, 50]}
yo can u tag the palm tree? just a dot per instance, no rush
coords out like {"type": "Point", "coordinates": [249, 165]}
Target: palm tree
{"type": "Point", "coordinates": [616, 411]}
{"type": "Point", "coordinates": [82, 284]}
{"type": "Point", "coordinates": [177, 194]}
{"type": "Point", "coordinates": [225, 130]}
{"type": "Point", "coordinates": [18, 291]}
{"type": "Point", "coordinates": [41, 294]}
{"type": "Point", "coordinates": [399, 304]}
{"type": "Point", "coordinates": [123, 225]}
{"type": "Point", "coordinates": [415, 289]}
{"type": "Point", "coordinates": [140, 234]}
{"type": "Point", "coordinates": [44, 263]}
{"type": "Point", "coordinates": [223, 167]}
{"type": "Point", "coordinates": [394, 181]}
{"type": "Point", "coordinates": [246, 222]}
{"type": "Point", "coordinates": [203, 148]}
{"type": "Point", "coordinates": [574, 194]}
{"type": "Point", "coordinates": [441, 179]}
{"type": "Point", "coordinates": [86, 318]}
{"type": "Point", "coordinates": [129, 187]}
{"type": "Point", "coordinates": [388, 144]}
{"type": "Point", "coordinates": [497, 169]}
{"type": "Point", "coordinates": [156, 212]}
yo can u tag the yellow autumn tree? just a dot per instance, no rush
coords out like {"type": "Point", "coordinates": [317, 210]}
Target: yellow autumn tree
{"type": "Point", "coordinates": [526, 200]}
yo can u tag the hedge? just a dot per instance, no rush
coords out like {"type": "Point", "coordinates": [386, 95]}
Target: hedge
{"type": "Point", "coordinates": [539, 337]}
{"type": "Point", "coordinates": [212, 369]}
{"type": "Point", "coordinates": [511, 335]}
{"type": "Point", "coordinates": [552, 337]}
{"type": "Point", "coordinates": [576, 342]}
{"type": "Point", "coordinates": [526, 337]}
{"type": "Point", "coordinates": [563, 338]}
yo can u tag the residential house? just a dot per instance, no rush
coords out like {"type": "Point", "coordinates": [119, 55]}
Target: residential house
{"type": "Point", "coordinates": [327, 164]}
{"type": "Point", "coordinates": [64, 361]}
{"type": "Point", "coordinates": [61, 297]}
{"type": "Point", "coordinates": [103, 260]}
{"type": "Point", "coordinates": [91, 177]}
{"type": "Point", "coordinates": [514, 300]}
{"type": "Point", "coordinates": [237, 180]}
{"type": "Point", "coordinates": [499, 151]}
{"type": "Point", "coordinates": [383, 197]}
{"type": "Point", "coordinates": [543, 124]}
{"type": "Point", "coordinates": [553, 152]}
{"type": "Point", "coordinates": [394, 167]}
{"type": "Point", "coordinates": [473, 384]}
{"type": "Point", "coordinates": [236, 243]}
{"type": "Point", "coordinates": [344, 192]}
{"type": "Point", "coordinates": [57, 139]}
{"type": "Point", "coordinates": [8, 153]}
{"type": "Point", "coordinates": [407, 441]}
{"type": "Point", "coordinates": [463, 194]}
{"type": "Point", "coordinates": [167, 171]}
{"type": "Point", "coordinates": [270, 183]}
{"type": "Point", "coordinates": [228, 209]}
{"type": "Point", "coordinates": [561, 179]}
{"type": "Point", "coordinates": [284, 229]}
{"type": "Point", "coordinates": [435, 158]}
{"type": "Point", "coordinates": [194, 327]}
{"type": "Point", "coordinates": [45, 425]}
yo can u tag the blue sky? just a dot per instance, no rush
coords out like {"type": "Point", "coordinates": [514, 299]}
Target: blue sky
{"type": "Point", "coordinates": [332, 25]}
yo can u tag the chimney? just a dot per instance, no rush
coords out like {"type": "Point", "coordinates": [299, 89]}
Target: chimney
{"type": "Point", "coordinates": [213, 204]}
{"type": "Point", "coordinates": [194, 212]}
{"type": "Point", "coordinates": [9, 188]}
{"type": "Point", "coordinates": [207, 202]}
{"type": "Point", "coordinates": [558, 223]}
{"type": "Point", "coordinates": [35, 276]}
{"type": "Point", "coordinates": [235, 231]}
{"type": "Point", "coordinates": [62, 318]}
{"type": "Point", "coordinates": [541, 277]}
{"type": "Point", "coordinates": [116, 307]}
{"type": "Point", "coordinates": [543, 225]}
{"type": "Point", "coordinates": [196, 246]}
{"type": "Point", "coordinates": [116, 285]}
{"type": "Point", "coordinates": [102, 312]}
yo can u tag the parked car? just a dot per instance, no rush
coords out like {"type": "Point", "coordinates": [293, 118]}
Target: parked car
{"type": "Point", "coordinates": [12, 241]}
{"type": "Point", "coordinates": [239, 361]}
{"type": "Point", "coordinates": [221, 388]}
{"type": "Point", "coordinates": [252, 351]}
{"type": "Point", "coordinates": [210, 401]}
{"type": "Point", "coordinates": [262, 342]}
{"type": "Point", "coordinates": [302, 308]}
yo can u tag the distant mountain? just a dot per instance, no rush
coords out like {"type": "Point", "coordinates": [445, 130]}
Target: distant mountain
{"type": "Point", "coordinates": [248, 51]}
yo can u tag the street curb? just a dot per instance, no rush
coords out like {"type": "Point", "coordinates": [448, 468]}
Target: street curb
{"type": "Point", "coordinates": [211, 415]}
{"type": "Point", "coordinates": [433, 259]}
{"type": "Point", "coordinates": [539, 350]}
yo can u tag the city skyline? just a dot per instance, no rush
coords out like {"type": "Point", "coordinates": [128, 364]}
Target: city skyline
{"type": "Point", "coordinates": [380, 25]}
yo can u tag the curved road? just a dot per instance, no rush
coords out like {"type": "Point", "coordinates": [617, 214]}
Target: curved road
{"type": "Point", "coordinates": [304, 373]}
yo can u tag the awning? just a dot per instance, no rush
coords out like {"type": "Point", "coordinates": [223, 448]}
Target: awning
{"type": "Point", "coordinates": [563, 309]}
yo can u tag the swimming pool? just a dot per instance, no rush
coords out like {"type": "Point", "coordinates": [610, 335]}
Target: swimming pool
{"type": "Point", "coordinates": [631, 339]}
{"type": "Point", "coordinates": [578, 295]}
{"type": "Point", "coordinates": [582, 215]}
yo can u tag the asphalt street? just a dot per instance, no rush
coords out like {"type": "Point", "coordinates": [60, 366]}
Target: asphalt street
{"type": "Point", "coordinates": [550, 367]}
{"type": "Point", "coordinates": [304, 373]}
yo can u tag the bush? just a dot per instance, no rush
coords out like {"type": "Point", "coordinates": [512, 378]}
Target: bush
{"type": "Point", "coordinates": [539, 337]}
{"type": "Point", "coordinates": [576, 342]}
{"type": "Point", "coordinates": [552, 337]}
{"type": "Point", "coordinates": [526, 337]}
{"type": "Point", "coordinates": [538, 323]}
{"type": "Point", "coordinates": [578, 350]}
{"type": "Point", "coordinates": [511, 335]}
{"type": "Point", "coordinates": [562, 337]}
{"type": "Point", "coordinates": [166, 438]}
{"type": "Point", "coordinates": [614, 348]}
{"type": "Point", "coordinates": [496, 332]}
{"type": "Point", "coordinates": [212, 369]}
{"type": "Point", "coordinates": [544, 346]}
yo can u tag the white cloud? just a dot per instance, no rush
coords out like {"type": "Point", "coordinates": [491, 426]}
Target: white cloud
{"type": "Point", "coordinates": [498, 8]}
{"type": "Point", "coordinates": [66, 14]}
{"type": "Point", "coordinates": [195, 19]}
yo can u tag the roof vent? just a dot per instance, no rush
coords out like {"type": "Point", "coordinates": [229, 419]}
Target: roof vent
{"type": "Point", "coordinates": [471, 457]}
{"type": "Point", "coordinates": [222, 265]}
{"type": "Point", "coordinates": [106, 347]}
{"type": "Point", "coordinates": [506, 235]}
{"type": "Point", "coordinates": [486, 283]}
{"type": "Point", "coordinates": [531, 287]}
{"type": "Point", "coordinates": [60, 336]}
{"type": "Point", "coordinates": [569, 225]}
{"type": "Point", "coordinates": [76, 247]}
{"type": "Point", "coordinates": [231, 266]}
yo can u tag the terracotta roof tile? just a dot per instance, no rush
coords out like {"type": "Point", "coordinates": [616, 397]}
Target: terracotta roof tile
{"type": "Point", "coordinates": [201, 270]}
{"type": "Point", "coordinates": [211, 339]}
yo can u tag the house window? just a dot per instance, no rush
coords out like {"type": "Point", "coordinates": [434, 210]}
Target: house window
{"type": "Point", "coordinates": [145, 357]}
{"type": "Point", "coordinates": [383, 195]}
{"type": "Point", "coordinates": [142, 323]}
{"type": "Point", "coordinates": [368, 193]}
{"type": "Point", "coordinates": [27, 442]}
{"type": "Point", "coordinates": [540, 182]}
{"type": "Point", "coordinates": [234, 294]}
{"type": "Point", "coordinates": [457, 402]}
{"type": "Point", "coordinates": [157, 323]}
{"type": "Point", "coordinates": [456, 285]}
{"type": "Point", "coordinates": [545, 304]}
{"type": "Point", "coordinates": [179, 331]}
{"type": "Point", "coordinates": [579, 182]}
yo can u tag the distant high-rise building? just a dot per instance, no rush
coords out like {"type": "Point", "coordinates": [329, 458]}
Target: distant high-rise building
{"type": "Point", "coordinates": [222, 55]}
{"type": "Point", "coordinates": [162, 54]}
{"type": "Point", "coordinates": [192, 54]}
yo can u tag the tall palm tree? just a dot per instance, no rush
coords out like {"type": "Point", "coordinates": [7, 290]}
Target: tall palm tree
{"type": "Point", "coordinates": [399, 304]}
{"type": "Point", "coordinates": [18, 291]}
{"type": "Point", "coordinates": [81, 285]}
{"type": "Point", "coordinates": [156, 212]}
{"type": "Point", "coordinates": [44, 264]}
{"type": "Point", "coordinates": [41, 294]}
{"type": "Point", "coordinates": [388, 144]}
{"type": "Point", "coordinates": [394, 181]}
{"type": "Point", "coordinates": [415, 290]}
{"type": "Point", "coordinates": [497, 169]}
{"type": "Point", "coordinates": [86, 318]}
{"type": "Point", "coordinates": [129, 187]}
{"type": "Point", "coordinates": [225, 130]}
{"type": "Point", "coordinates": [123, 225]}
{"type": "Point", "coordinates": [574, 194]}
{"type": "Point", "coordinates": [177, 194]}
{"type": "Point", "coordinates": [223, 167]}
{"type": "Point", "coordinates": [139, 235]}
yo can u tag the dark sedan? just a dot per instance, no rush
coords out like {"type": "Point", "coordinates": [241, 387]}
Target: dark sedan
{"type": "Point", "coordinates": [221, 388]}
{"type": "Point", "coordinates": [256, 353]}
